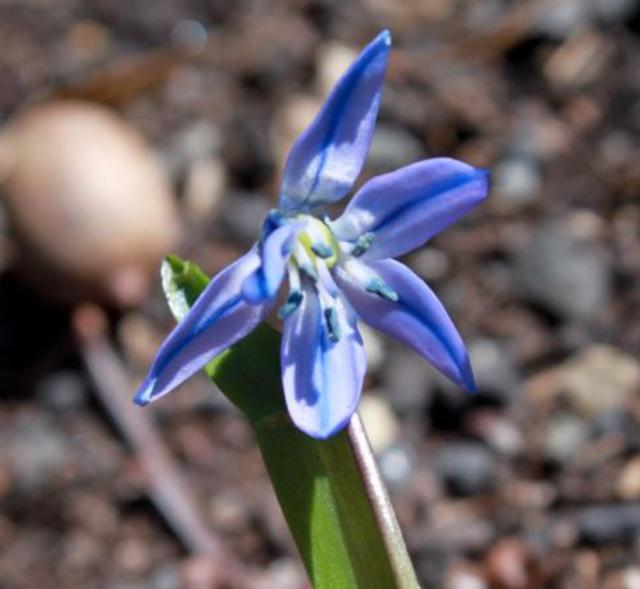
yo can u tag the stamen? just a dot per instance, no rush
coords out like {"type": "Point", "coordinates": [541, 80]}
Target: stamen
{"type": "Point", "coordinates": [294, 276]}
{"type": "Point", "coordinates": [379, 287]}
{"type": "Point", "coordinates": [332, 323]}
{"type": "Point", "coordinates": [322, 250]}
{"type": "Point", "coordinates": [362, 244]}
{"type": "Point", "coordinates": [309, 271]}
{"type": "Point", "coordinates": [291, 304]}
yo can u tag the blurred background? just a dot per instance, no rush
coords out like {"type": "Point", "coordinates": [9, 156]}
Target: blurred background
{"type": "Point", "coordinates": [134, 129]}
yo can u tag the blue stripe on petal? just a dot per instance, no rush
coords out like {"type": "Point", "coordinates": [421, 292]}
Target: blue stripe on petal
{"type": "Point", "coordinates": [217, 320]}
{"type": "Point", "coordinates": [327, 158]}
{"type": "Point", "coordinates": [405, 208]}
{"type": "Point", "coordinates": [417, 319]}
{"type": "Point", "coordinates": [322, 379]}
{"type": "Point", "coordinates": [263, 284]}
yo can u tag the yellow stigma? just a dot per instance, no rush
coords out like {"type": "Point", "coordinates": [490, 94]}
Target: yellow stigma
{"type": "Point", "coordinates": [318, 236]}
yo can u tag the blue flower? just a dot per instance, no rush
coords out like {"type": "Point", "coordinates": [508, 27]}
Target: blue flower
{"type": "Point", "coordinates": [337, 271]}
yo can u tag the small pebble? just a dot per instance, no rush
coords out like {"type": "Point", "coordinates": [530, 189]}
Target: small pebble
{"type": "Point", "coordinates": [517, 180]}
{"type": "Point", "coordinates": [333, 60]}
{"type": "Point", "coordinates": [393, 148]}
{"type": "Point", "coordinates": [565, 436]}
{"type": "Point", "coordinates": [374, 348]}
{"type": "Point", "coordinates": [494, 370]}
{"type": "Point", "coordinates": [379, 421]}
{"type": "Point", "coordinates": [508, 566]}
{"type": "Point", "coordinates": [566, 275]}
{"type": "Point", "coordinates": [396, 466]}
{"type": "Point", "coordinates": [64, 392]}
{"type": "Point", "coordinates": [600, 378]}
{"type": "Point", "coordinates": [407, 380]}
{"type": "Point", "coordinates": [628, 486]}
{"type": "Point", "coordinates": [466, 467]}
{"type": "Point", "coordinates": [615, 523]}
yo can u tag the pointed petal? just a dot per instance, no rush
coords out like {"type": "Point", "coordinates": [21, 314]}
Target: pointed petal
{"type": "Point", "coordinates": [417, 318]}
{"type": "Point", "coordinates": [218, 319]}
{"type": "Point", "coordinates": [263, 284]}
{"type": "Point", "coordinates": [327, 158]}
{"type": "Point", "coordinates": [322, 379]}
{"type": "Point", "coordinates": [405, 208]}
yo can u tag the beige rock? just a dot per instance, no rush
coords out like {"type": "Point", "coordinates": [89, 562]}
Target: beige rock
{"type": "Point", "coordinates": [204, 187]}
{"type": "Point", "coordinates": [291, 120]}
{"type": "Point", "coordinates": [379, 421]}
{"type": "Point", "coordinates": [600, 378]}
{"type": "Point", "coordinates": [90, 207]}
{"type": "Point", "coordinates": [332, 62]}
{"type": "Point", "coordinates": [628, 486]}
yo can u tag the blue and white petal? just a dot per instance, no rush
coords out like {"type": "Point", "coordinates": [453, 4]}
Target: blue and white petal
{"type": "Point", "coordinates": [322, 366]}
{"type": "Point", "coordinates": [390, 297]}
{"type": "Point", "coordinates": [401, 210]}
{"type": "Point", "coordinates": [219, 318]}
{"type": "Point", "coordinates": [327, 158]}
{"type": "Point", "coordinates": [263, 284]}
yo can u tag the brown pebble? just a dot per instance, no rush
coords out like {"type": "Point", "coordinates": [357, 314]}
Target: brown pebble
{"type": "Point", "coordinates": [91, 209]}
{"type": "Point", "coordinates": [509, 566]}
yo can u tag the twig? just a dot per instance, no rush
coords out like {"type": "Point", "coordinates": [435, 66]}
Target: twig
{"type": "Point", "coordinates": [166, 488]}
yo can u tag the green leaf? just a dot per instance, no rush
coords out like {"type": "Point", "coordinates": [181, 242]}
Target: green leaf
{"type": "Point", "coordinates": [330, 491]}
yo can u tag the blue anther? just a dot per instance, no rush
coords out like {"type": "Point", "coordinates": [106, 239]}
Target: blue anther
{"type": "Point", "coordinates": [333, 326]}
{"type": "Point", "coordinates": [362, 244]}
{"type": "Point", "coordinates": [291, 304]}
{"type": "Point", "coordinates": [322, 250]}
{"type": "Point", "coordinates": [379, 287]}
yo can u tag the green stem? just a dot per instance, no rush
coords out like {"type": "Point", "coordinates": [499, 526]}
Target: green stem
{"type": "Point", "coordinates": [330, 491]}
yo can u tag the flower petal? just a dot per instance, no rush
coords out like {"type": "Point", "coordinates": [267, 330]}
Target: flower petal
{"type": "Point", "coordinates": [218, 319]}
{"type": "Point", "coordinates": [322, 378]}
{"type": "Point", "coordinates": [403, 209]}
{"type": "Point", "coordinates": [416, 317]}
{"type": "Point", "coordinates": [327, 158]}
{"type": "Point", "coordinates": [263, 284]}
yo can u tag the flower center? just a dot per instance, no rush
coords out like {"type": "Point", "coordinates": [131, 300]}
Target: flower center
{"type": "Point", "coordinates": [318, 241]}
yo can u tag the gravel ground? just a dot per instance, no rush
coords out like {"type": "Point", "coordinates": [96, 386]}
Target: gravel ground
{"type": "Point", "coordinates": [532, 483]}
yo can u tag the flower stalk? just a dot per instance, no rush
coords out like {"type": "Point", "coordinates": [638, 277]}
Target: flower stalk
{"type": "Point", "coordinates": [330, 491]}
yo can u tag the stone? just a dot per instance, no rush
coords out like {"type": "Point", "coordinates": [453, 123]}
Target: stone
{"type": "Point", "coordinates": [508, 565]}
{"type": "Point", "coordinates": [198, 140]}
{"type": "Point", "coordinates": [565, 275]}
{"type": "Point", "coordinates": [392, 148]}
{"type": "Point", "coordinates": [494, 369]}
{"type": "Point", "coordinates": [407, 381]}
{"type": "Point", "coordinates": [467, 468]}
{"type": "Point", "coordinates": [613, 10]}
{"type": "Point", "coordinates": [205, 184]}
{"type": "Point", "coordinates": [243, 213]}
{"type": "Point", "coordinates": [579, 61]}
{"type": "Point", "coordinates": [517, 180]}
{"type": "Point", "coordinates": [460, 576]}
{"type": "Point", "coordinates": [38, 452]}
{"type": "Point", "coordinates": [563, 17]}
{"type": "Point", "coordinates": [64, 392]}
{"type": "Point", "coordinates": [379, 420]}
{"type": "Point", "coordinates": [606, 524]}
{"type": "Point", "coordinates": [373, 347]}
{"type": "Point", "coordinates": [497, 431]}
{"type": "Point", "coordinates": [430, 263]}
{"type": "Point", "coordinates": [291, 120]}
{"type": "Point", "coordinates": [628, 486]}
{"type": "Point", "coordinates": [332, 62]}
{"type": "Point", "coordinates": [565, 435]}
{"type": "Point", "coordinates": [600, 378]}
{"type": "Point", "coordinates": [396, 466]}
